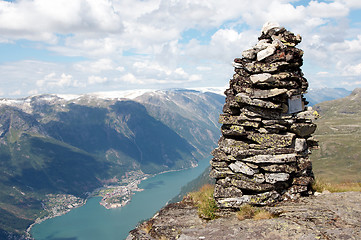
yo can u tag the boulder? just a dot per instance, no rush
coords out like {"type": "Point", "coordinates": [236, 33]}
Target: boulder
{"type": "Point", "coordinates": [303, 129]}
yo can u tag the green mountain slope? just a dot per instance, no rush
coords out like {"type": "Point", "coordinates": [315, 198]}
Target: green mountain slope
{"type": "Point", "coordinates": [49, 145]}
{"type": "Point", "coordinates": [339, 135]}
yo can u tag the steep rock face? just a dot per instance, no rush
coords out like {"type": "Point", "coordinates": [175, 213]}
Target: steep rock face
{"type": "Point", "coordinates": [266, 128]}
{"type": "Point", "coordinates": [327, 216]}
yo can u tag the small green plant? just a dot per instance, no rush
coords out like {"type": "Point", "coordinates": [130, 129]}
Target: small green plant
{"type": "Point", "coordinates": [320, 185]}
{"type": "Point", "coordinates": [205, 202]}
{"type": "Point", "coordinates": [249, 212]}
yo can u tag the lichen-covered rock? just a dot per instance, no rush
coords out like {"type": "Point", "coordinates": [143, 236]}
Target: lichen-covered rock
{"type": "Point", "coordinates": [226, 192]}
{"type": "Point", "coordinates": [283, 168]}
{"type": "Point", "coordinates": [257, 199]}
{"type": "Point", "coordinates": [252, 186]}
{"type": "Point", "coordinates": [244, 99]}
{"type": "Point", "coordinates": [240, 167]}
{"type": "Point", "coordinates": [280, 158]}
{"type": "Point", "coordinates": [303, 129]}
{"type": "Point", "coordinates": [261, 78]}
{"type": "Point", "coordinates": [272, 140]}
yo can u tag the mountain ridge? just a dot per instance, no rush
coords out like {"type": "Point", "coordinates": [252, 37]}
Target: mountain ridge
{"type": "Point", "coordinates": [53, 145]}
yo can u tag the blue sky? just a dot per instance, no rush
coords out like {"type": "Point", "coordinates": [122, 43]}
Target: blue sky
{"type": "Point", "coordinates": [83, 46]}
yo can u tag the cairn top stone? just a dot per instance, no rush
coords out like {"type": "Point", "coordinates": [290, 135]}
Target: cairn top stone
{"type": "Point", "coordinates": [269, 25]}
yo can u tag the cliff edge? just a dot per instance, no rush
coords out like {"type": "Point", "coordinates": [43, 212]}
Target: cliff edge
{"type": "Point", "coordinates": [325, 216]}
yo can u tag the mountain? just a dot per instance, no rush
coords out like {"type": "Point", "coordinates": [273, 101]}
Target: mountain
{"type": "Point", "coordinates": [52, 144]}
{"type": "Point", "coordinates": [339, 135]}
{"type": "Point", "coordinates": [194, 116]}
{"type": "Point", "coordinates": [315, 96]}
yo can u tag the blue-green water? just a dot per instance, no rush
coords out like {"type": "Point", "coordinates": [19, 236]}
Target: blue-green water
{"type": "Point", "coordinates": [93, 222]}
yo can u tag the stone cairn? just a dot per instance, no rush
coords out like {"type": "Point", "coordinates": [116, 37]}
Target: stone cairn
{"type": "Point", "coordinates": [262, 155]}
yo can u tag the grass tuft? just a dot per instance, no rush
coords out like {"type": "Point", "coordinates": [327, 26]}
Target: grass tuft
{"type": "Point", "coordinates": [249, 212]}
{"type": "Point", "coordinates": [263, 214]}
{"type": "Point", "coordinates": [205, 202]}
{"type": "Point", "coordinates": [321, 185]}
{"type": "Point", "coordinates": [245, 212]}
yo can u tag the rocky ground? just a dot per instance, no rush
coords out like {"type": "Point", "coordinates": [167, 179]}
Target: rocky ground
{"type": "Point", "coordinates": [326, 216]}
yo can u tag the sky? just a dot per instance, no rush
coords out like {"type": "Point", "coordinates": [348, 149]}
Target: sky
{"type": "Point", "coordinates": [84, 46]}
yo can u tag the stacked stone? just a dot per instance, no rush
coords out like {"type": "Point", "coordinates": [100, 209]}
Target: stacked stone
{"type": "Point", "coordinates": [262, 155]}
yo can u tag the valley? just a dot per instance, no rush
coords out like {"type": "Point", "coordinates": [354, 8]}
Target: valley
{"type": "Point", "coordinates": [55, 146]}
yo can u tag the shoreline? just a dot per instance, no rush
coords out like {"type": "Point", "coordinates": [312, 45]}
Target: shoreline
{"type": "Point", "coordinates": [93, 194]}
{"type": "Point", "coordinates": [40, 220]}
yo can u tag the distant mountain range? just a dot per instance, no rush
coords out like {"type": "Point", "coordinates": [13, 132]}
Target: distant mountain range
{"type": "Point", "coordinates": [73, 144]}
{"type": "Point", "coordinates": [315, 96]}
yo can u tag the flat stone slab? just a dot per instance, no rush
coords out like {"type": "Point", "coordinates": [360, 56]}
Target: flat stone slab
{"type": "Point", "coordinates": [265, 198]}
{"type": "Point", "coordinates": [276, 177]}
{"type": "Point", "coordinates": [261, 78]}
{"type": "Point", "coordinates": [272, 140]}
{"type": "Point", "coordinates": [240, 167]}
{"type": "Point", "coordinates": [282, 158]}
{"type": "Point", "coordinates": [242, 98]}
{"type": "Point", "coordinates": [250, 186]}
{"type": "Point", "coordinates": [241, 120]}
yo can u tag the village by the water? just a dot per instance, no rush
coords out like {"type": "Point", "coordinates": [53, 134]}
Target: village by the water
{"type": "Point", "coordinates": [115, 194]}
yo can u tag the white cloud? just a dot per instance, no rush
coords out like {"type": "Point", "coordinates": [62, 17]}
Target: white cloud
{"type": "Point", "coordinates": [351, 69]}
{"type": "Point", "coordinates": [354, 4]}
{"type": "Point", "coordinates": [203, 68]}
{"type": "Point", "coordinates": [347, 46]}
{"type": "Point", "coordinates": [53, 80]}
{"type": "Point", "coordinates": [33, 92]}
{"type": "Point", "coordinates": [16, 93]}
{"type": "Point", "coordinates": [130, 78]}
{"type": "Point", "coordinates": [327, 10]}
{"type": "Point", "coordinates": [42, 19]}
{"type": "Point", "coordinates": [323, 73]}
{"type": "Point", "coordinates": [96, 79]}
{"type": "Point", "coordinates": [144, 43]}
{"type": "Point", "coordinates": [98, 66]}
{"type": "Point", "coordinates": [120, 69]}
